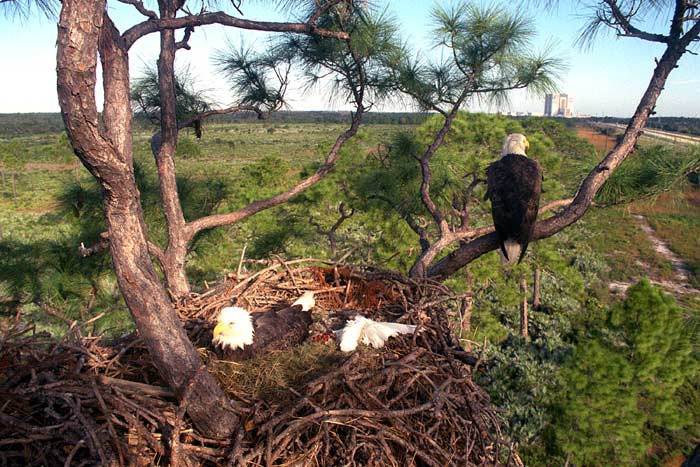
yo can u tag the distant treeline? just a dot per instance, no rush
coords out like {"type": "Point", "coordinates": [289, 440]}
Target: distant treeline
{"type": "Point", "coordinates": [25, 124]}
{"type": "Point", "coordinates": [30, 124]}
{"type": "Point", "coordinates": [389, 118]}
{"type": "Point", "coordinates": [687, 125]}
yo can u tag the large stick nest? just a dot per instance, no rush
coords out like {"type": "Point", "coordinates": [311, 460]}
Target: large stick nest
{"type": "Point", "coordinates": [81, 401]}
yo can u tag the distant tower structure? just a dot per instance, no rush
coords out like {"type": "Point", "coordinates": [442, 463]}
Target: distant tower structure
{"type": "Point", "coordinates": [558, 105]}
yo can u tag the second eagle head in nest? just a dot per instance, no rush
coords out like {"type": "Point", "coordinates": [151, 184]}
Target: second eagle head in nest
{"type": "Point", "coordinates": [243, 335]}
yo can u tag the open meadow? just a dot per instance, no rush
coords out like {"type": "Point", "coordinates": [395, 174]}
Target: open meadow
{"type": "Point", "coordinates": [50, 206]}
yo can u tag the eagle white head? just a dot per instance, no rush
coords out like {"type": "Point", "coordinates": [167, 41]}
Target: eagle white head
{"type": "Point", "coordinates": [234, 328]}
{"type": "Point", "coordinates": [515, 143]}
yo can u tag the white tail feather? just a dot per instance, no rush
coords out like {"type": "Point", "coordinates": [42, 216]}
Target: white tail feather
{"type": "Point", "coordinates": [306, 301]}
{"type": "Point", "coordinates": [513, 249]}
{"type": "Point", "coordinates": [369, 332]}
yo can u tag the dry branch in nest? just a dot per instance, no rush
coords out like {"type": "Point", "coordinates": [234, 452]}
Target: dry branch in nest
{"type": "Point", "coordinates": [79, 401]}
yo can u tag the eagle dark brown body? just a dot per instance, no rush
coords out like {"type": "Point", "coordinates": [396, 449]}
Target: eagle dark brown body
{"type": "Point", "coordinates": [514, 188]}
{"type": "Point", "coordinates": [274, 330]}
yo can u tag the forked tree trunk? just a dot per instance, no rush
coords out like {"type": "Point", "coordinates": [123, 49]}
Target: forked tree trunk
{"type": "Point", "coordinates": [105, 148]}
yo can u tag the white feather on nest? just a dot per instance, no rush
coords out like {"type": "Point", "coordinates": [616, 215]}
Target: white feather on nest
{"type": "Point", "coordinates": [366, 331]}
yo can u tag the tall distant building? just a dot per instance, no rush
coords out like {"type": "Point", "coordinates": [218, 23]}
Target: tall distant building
{"type": "Point", "coordinates": [558, 105]}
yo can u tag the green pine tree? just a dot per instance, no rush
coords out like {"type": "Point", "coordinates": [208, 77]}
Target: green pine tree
{"type": "Point", "coordinates": [621, 387]}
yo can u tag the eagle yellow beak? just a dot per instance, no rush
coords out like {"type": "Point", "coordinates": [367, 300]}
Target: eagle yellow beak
{"type": "Point", "coordinates": [527, 144]}
{"type": "Point", "coordinates": [220, 328]}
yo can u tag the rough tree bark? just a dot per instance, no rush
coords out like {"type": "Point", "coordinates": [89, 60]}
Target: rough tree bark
{"type": "Point", "coordinates": [176, 250]}
{"type": "Point", "coordinates": [104, 147]}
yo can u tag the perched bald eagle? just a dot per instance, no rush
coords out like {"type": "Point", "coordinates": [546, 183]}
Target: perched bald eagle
{"type": "Point", "coordinates": [369, 332]}
{"type": "Point", "coordinates": [243, 335]}
{"type": "Point", "coordinates": [514, 188]}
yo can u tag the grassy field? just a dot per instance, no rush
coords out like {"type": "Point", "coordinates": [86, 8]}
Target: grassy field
{"type": "Point", "coordinates": [47, 201]}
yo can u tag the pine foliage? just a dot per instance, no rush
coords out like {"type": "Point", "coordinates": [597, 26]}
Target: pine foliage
{"type": "Point", "coordinates": [621, 386]}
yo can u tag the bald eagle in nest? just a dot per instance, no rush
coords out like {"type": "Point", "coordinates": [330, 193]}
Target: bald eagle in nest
{"type": "Point", "coordinates": [514, 188]}
{"type": "Point", "coordinates": [243, 335]}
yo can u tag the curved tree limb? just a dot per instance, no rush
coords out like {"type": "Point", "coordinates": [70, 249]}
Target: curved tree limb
{"type": "Point", "coordinates": [622, 22]}
{"type": "Point", "coordinates": [358, 89]}
{"type": "Point", "coordinates": [438, 216]}
{"type": "Point", "coordinates": [219, 220]}
{"type": "Point", "coordinates": [136, 32]}
{"type": "Point", "coordinates": [138, 4]}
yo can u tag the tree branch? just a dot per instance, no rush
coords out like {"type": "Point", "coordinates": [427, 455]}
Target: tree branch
{"type": "Point", "coordinates": [418, 229]}
{"type": "Point", "coordinates": [462, 206]}
{"type": "Point", "coordinates": [428, 202]}
{"type": "Point", "coordinates": [623, 22]}
{"type": "Point", "coordinates": [103, 244]}
{"type": "Point", "coordinates": [262, 115]}
{"type": "Point", "coordinates": [138, 4]}
{"type": "Point", "coordinates": [184, 43]}
{"type": "Point", "coordinates": [330, 233]}
{"type": "Point", "coordinates": [219, 220]}
{"type": "Point", "coordinates": [134, 33]}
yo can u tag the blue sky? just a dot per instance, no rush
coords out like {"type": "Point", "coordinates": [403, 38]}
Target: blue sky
{"type": "Point", "coordinates": [608, 79]}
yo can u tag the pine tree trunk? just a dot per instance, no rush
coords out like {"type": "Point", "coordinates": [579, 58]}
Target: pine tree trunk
{"type": "Point", "coordinates": [105, 148]}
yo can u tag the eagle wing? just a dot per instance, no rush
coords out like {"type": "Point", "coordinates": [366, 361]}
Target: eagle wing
{"type": "Point", "coordinates": [514, 188]}
{"type": "Point", "coordinates": [276, 330]}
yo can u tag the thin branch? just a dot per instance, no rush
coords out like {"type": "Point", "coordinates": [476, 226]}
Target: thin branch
{"type": "Point", "coordinates": [262, 115]}
{"type": "Point", "coordinates": [134, 33]}
{"type": "Point", "coordinates": [412, 223]}
{"type": "Point", "coordinates": [103, 244]}
{"type": "Point", "coordinates": [623, 22]}
{"type": "Point", "coordinates": [219, 220]}
{"type": "Point", "coordinates": [184, 43]}
{"type": "Point", "coordinates": [330, 233]}
{"type": "Point", "coordinates": [428, 202]}
{"type": "Point", "coordinates": [462, 207]}
{"type": "Point", "coordinates": [138, 4]}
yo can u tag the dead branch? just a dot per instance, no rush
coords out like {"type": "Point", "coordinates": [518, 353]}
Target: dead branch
{"type": "Point", "coordinates": [103, 244]}
{"type": "Point", "coordinates": [138, 4]}
{"type": "Point", "coordinates": [330, 232]}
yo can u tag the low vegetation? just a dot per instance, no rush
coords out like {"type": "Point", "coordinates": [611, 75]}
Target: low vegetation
{"type": "Point", "coordinates": [581, 349]}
